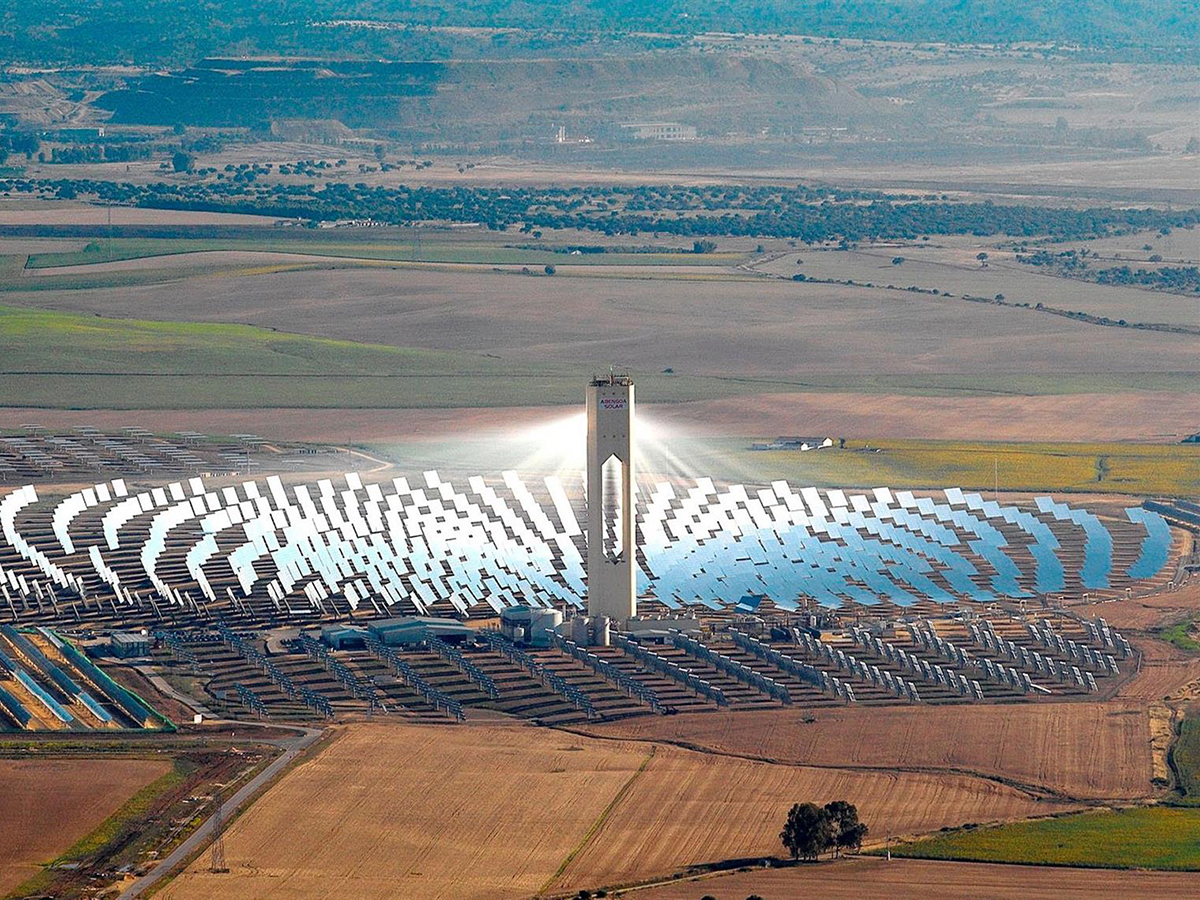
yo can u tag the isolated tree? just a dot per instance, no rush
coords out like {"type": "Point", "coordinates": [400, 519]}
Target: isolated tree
{"type": "Point", "coordinates": [1193, 146]}
{"type": "Point", "coordinates": [807, 832]}
{"type": "Point", "coordinates": [982, 257]}
{"type": "Point", "coordinates": [897, 260]}
{"type": "Point", "coordinates": [550, 270]}
{"type": "Point", "coordinates": [182, 162]}
{"type": "Point", "coordinates": [848, 832]}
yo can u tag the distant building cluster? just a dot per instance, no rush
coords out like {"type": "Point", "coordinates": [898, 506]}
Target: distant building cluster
{"type": "Point", "coordinates": [794, 443]}
{"type": "Point", "coordinates": [659, 131]}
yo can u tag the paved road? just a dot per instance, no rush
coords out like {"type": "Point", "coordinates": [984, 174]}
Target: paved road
{"type": "Point", "coordinates": [228, 809]}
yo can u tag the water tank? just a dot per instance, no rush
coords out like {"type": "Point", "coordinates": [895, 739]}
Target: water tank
{"type": "Point", "coordinates": [581, 627]}
{"type": "Point", "coordinates": [541, 623]}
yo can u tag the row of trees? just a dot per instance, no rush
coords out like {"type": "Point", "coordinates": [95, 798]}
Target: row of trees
{"type": "Point", "coordinates": [811, 830]}
{"type": "Point", "coordinates": [750, 211]}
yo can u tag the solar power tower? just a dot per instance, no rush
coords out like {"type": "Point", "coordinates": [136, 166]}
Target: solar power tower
{"type": "Point", "coordinates": [612, 576]}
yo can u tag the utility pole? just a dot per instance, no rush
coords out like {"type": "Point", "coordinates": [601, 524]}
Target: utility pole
{"type": "Point", "coordinates": [217, 864]}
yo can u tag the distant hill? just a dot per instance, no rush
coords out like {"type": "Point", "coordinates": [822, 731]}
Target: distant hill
{"type": "Point", "coordinates": [173, 33]}
{"type": "Point", "coordinates": [486, 100]}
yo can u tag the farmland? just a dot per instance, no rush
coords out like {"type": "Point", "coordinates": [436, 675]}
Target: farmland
{"type": "Point", "coordinates": [784, 336]}
{"type": "Point", "coordinates": [446, 813]}
{"type": "Point", "coordinates": [1145, 838]}
{"type": "Point", "coordinates": [50, 804]}
{"type": "Point", "coordinates": [956, 269]}
{"type": "Point", "coordinates": [445, 822]}
{"type": "Point", "coordinates": [689, 808]}
{"type": "Point", "coordinates": [1082, 750]}
{"type": "Point", "coordinates": [911, 879]}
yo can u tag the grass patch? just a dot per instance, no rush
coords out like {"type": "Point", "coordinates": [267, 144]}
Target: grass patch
{"type": "Point", "coordinates": [1185, 759]}
{"type": "Point", "coordinates": [1180, 635]}
{"type": "Point", "coordinates": [1157, 837]}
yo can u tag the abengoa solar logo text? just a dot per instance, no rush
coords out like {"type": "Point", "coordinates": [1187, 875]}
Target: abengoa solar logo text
{"type": "Point", "coordinates": [613, 402]}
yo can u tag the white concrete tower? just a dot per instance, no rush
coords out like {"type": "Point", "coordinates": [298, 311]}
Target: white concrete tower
{"type": "Point", "coordinates": [611, 562]}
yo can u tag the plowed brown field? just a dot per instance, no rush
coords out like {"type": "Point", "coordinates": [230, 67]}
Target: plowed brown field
{"type": "Point", "coordinates": [496, 811]}
{"type": "Point", "coordinates": [911, 879]}
{"type": "Point", "coordinates": [1084, 750]}
{"type": "Point", "coordinates": [47, 805]}
{"type": "Point", "coordinates": [690, 807]}
{"type": "Point", "coordinates": [1164, 670]}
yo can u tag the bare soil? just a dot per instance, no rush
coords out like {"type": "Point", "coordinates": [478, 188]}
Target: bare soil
{"type": "Point", "coordinates": [47, 805]}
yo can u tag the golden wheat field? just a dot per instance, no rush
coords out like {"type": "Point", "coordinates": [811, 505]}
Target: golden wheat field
{"type": "Point", "coordinates": [420, 811]}
{"type": "Point", "coordinates": [911, 879]}
{"type": "Point", "coordinates": [1082, 750]}
{"type": "Point", "coordinates": [688, 808]}
{"type": "Point", "coordinates": [493, 811]}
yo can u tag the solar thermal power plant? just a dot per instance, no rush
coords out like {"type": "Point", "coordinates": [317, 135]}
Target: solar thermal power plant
{"type": "Point", "coordinates": [744, 591]}
{"type": "Point", "coordinates": [200, 565]}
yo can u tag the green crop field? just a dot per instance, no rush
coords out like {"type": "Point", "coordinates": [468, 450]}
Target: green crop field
{"type": "Point", "coordinates": [407, 250]}
{"type": "Point", "coordinates": [66, 360]}
{"type": "Point", "coordinates": [1101, 468]}
{"type": "Point", "coordinates": [1159, 837]}
{"type": "Point", "coordinates": [1061, 468]}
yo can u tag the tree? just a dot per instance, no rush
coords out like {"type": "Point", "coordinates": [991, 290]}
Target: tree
{"type": "Point", "coordinates": [1193, 146]}
{"type": "Point", "coordinates": [550, 270]}
{"type": "Point", "coordinates": [982, 257]}
{"type": "Point", "coordinates": [848, 831]}
{"type": "Point", "coordinates": [182, 162]}
{"type": "Point", "coordinates": [704, 246]}
{"type": "Point", "coordinates": [808, 831]}
{"type": "Point", "coordinates": [897, 260]}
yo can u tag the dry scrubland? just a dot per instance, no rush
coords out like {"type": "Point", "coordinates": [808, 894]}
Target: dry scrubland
{"type": "Point", "coordinates": [1081, 750]}
{"type": "Point", "coordinates": [501, 811]}
{"type": "Point", "coordinates": [48, 805]}
{"type": "Point", "coordinates": [910, 879]}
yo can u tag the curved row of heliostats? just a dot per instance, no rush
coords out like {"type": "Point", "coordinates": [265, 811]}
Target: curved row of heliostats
{"type": "Point", "coordinates": [499, 544]}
